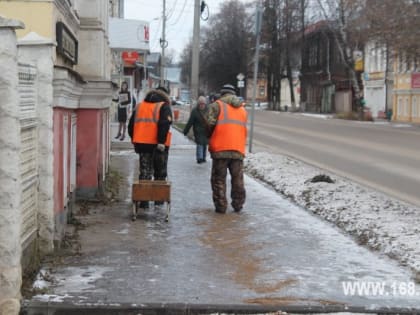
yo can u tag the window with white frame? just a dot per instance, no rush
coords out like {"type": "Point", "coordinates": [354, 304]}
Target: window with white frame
{"type": "Point", "coordinates": [406, 107]}
{"type": "Point", "coordinates": [400, 106]}
{"type": "Point", "coordinates": [372, 63]}
{"type": "Point", "coordinates": [414, 107]}
{"type": "Point", "coordinates": [402, 63]}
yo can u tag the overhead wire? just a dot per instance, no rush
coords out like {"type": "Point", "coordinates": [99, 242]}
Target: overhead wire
{"type": "Point", "coordinates": [171, 11]}
{"type": "Point", "coordinates": [180, 14]}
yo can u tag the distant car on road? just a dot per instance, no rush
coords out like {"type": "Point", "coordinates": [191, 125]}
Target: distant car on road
{"type": "Point", "coordinates": [179, 103]}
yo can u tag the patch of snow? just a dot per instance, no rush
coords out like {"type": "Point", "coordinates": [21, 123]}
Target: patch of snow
{"type": "Point", "coordinates": [124, 229]}
{"type": "Point", "coordinates": [322, 116]}
{"type": "Point", "coordinates": [51, 298]}
{"type": "Point", "coordinates": [42, 280]}
{"type": "Point", "coordinates": [72, 279]}
{"type": "Point", "coordinates": [401, 125]}
{"type": "Point", "coordinates": [378, 221]}
{"type": "Point", "coordinates": [41, 284]}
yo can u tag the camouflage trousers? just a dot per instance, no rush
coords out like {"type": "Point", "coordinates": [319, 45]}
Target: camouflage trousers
{"type": "Point", "coordinates": [218, 183]}
{"type": "Point", "coordinates": [154, 165]}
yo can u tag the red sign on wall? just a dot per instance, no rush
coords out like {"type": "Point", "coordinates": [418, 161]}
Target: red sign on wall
{"type": "Point", "coordinates": [415, 80]}
{"type": "Point", "coordinates": [130, 56]}
{"type": "Point", "coordinates": [146, 33]}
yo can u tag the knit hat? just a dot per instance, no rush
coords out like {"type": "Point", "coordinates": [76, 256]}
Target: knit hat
{"type": "Point", "coordinates": [228, 88]}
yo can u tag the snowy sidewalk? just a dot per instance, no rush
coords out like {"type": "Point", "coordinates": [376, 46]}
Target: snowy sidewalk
{"type": "Point", "coordinates": [377, 221]}
{"type": "Point", "coordinates": [274, 255]}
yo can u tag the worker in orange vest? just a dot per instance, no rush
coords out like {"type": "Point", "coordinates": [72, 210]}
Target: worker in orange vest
{"type": "Point", "coordinates": [226, 123]}
{"type": "Point", "coordinates": [149, 129]}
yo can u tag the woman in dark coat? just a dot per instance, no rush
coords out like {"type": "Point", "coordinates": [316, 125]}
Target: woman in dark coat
{"type": "Point", "coordinates": [197, 121]}
{"type": "Point", "coordinates": [124, 101]}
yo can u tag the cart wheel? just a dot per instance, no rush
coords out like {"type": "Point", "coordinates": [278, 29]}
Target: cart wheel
{"type": "Point", "coordinates": [134, 214]}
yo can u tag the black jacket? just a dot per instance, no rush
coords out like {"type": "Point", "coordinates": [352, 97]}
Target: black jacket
{"type": "Point", "coordinates": [164, 122]}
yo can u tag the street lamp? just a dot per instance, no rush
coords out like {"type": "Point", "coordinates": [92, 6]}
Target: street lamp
{"type": "Point", "coordinates": [258, 18]}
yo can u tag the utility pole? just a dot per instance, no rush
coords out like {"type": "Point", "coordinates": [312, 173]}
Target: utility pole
{"type": "Point", "coordinates": [163, 45]}
{"type": "Point", "coordinates": [195, 52]}
{"type": "Point", "coordinates": [258, 18]}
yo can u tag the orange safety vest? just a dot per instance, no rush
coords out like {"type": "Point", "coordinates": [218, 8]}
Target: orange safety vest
{"type": "Point", "coordinates": [146, 124]}
{"type": "Point", "coordinates": [230, 131]}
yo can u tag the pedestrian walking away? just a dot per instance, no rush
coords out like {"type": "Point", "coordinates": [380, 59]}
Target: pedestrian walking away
{"type": "Point", "coordinates": [198, 123]}
{"type": "Point", "coordinates": [226, 120]}
{"type": "Point", "coordinates": [149, 130]}
{"type": "Point", "coordinates": [124, 101]}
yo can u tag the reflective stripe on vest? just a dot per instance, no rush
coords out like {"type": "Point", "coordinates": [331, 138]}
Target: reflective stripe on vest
{"type": "Point", "coordinates": [146, 124]}
{"type": "Point", "coordinates": [155, 115]}
{"type": "Point", "coordinates": [230, 131]}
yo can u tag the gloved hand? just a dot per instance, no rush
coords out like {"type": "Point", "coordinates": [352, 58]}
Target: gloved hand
{"type": "Point", "coordinates": [160, 147]}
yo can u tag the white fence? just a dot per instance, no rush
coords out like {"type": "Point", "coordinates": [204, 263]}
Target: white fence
{"type": "Point", "coordinates": [27, 91]}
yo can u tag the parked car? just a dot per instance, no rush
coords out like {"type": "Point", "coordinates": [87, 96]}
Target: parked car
{"type": "Point", "coordinates": [179, 103]}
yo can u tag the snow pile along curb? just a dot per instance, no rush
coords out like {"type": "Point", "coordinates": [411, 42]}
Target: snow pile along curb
{"type": "Point", "coordinates": [376, 220]}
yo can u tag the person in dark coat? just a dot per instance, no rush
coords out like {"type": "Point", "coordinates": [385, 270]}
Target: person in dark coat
{"type": "Point", "coordinates": [153, 157]}
{"type": "Point", "coordinates": [197, 121]}
{"type": "Point", "coordinates": [124, 101]}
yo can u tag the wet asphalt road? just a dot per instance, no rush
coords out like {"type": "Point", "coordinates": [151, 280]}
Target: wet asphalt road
{"type": "Point", "coordinates": [273, 253]}
{"type": "Point", "coordinates": [381, 155]}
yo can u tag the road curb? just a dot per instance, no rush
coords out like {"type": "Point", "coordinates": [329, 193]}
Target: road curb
{"type": "Point", "coordinates": [41, 308]}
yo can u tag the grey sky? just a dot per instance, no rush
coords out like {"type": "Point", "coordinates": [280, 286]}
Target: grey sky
{"type": "Point", "coordinates": [179, 24]}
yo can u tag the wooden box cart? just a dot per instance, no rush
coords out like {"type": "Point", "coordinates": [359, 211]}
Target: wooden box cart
{"type": "Point", "coordinates": [151, 190]}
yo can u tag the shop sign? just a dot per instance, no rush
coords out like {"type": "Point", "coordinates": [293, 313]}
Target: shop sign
{"type": "Point", "coordinates": [415, 80]}
{"type": "Point", "coordinates": [130, 56]}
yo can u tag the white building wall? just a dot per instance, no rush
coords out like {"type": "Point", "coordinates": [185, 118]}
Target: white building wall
{"type": "Point", "coordinates": [94, 52]}
{"type": "Point", "coordinates": [286, 97]}
{"type": "Point", "coordinates": [10, 193]}
{"type": "Point", "coordinates": [40, 51]}
{"type": "Point", "coordinates": [375, 96]}
{"type": "Point", "coordinates": [374, 78]}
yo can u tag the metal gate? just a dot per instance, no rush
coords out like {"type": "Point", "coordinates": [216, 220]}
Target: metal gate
{"type": "Point", "coordinates": [29, 152]}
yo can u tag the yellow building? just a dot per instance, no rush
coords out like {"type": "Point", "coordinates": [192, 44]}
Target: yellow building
{"type": "Point", "coordinates": [36, 15]}
{"type": "Point", "coordinates": [406, 100]}
{"type": "Point", "coordinates": [42, 17]}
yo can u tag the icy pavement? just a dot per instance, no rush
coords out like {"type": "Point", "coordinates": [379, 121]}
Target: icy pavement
{"type": "Point", "coordinates": [273, 253]}
{"type": "Point", "coordinates": [374, 219]}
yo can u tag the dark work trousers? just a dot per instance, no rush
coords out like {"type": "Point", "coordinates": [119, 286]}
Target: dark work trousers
{"type": "Point", "coordinates": [160, 164]}
{"type": "Point", "coordinates": [154, 165]}
{"type": "Point", "coordinates": [218, 183]}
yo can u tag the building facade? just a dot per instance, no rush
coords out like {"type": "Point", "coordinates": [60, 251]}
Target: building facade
{"type": "Point", "coordinates": [406, 96]}
{"type": "Point", "coordinates": [65, 93]}
{"type": "Point", "coordinates": [377, 79]}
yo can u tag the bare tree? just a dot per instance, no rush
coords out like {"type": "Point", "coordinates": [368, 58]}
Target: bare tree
{"type": "Point", "coordinates": [170, 57]}
{"type": "Point", "coordinates": [344, 18]}
{"type": "Point", "coordinates": [185, 63]}
{"type": "Point", "coordinates": [283, 20]}
{"type": "Point", "coordinates": [293, 12]}
{"type": "Point", "coordinates": [272, 63]}
{"type": "Point", "coordinates": [303, 8]}
{"type": "Point", "coordinates": [225, 47]}
{"type": "Point", "coordinates": [395, 24]}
